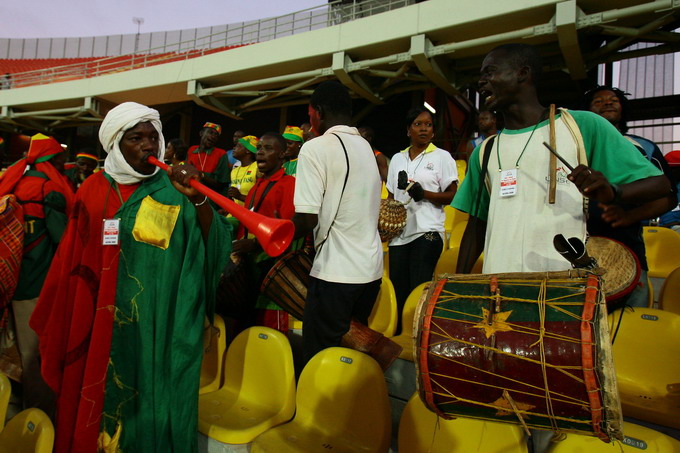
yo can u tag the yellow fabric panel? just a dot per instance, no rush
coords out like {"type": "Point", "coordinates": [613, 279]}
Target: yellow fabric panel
{"type": "Point", "coordinates": [155, 223]}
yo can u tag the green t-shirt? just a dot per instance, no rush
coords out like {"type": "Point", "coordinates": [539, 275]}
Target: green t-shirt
{"type": "Point", "coordinates": [606, 149]}
{"type": "Point", "coordinates": [291, 167]}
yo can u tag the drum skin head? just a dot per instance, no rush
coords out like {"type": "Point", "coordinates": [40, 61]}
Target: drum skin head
{"type": "Point", "coordinates": [620, 265]}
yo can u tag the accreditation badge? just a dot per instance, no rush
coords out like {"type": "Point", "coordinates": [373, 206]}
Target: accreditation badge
{"type": "Point", "coordinates": [110, 231]}
{"type": "Point", "coordinates": [508, 183]}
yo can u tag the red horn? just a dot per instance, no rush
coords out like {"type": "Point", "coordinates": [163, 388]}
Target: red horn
{"type": "Point", "coordinates": [274, 235]}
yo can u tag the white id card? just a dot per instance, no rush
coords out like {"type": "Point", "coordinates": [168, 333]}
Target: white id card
{"type": "Point", "coordinates": [508, 183]}
{"type": "Point", "coordinates": [110, 231]}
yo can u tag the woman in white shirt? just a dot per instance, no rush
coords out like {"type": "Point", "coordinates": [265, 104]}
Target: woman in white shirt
{"type": "Point", "coordinates": [424, 178]}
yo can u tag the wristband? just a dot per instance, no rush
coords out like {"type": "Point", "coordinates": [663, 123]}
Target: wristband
{"type": "Point", "coordinates": [617, 194]}
{"type": "Point", "coordinates": [202, 202]}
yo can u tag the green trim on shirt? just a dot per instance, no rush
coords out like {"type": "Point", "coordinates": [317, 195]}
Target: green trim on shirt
{"type": "Point", "coordinates": [606, 149]}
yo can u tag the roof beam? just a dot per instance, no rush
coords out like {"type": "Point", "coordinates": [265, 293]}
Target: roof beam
{"type": "Point", "coordinates": [88, 112]}
{"type": "Point", "coordinates": [341, 68]}
{"type": "Point", "coordinates": [281, 92]}
{"type": "Point", "coordinates": [194, 91]}
{"type": "Point", "coordinates": [656, 36]}
{"type": "Point", "coordinates": [624, 41]}
{"type": "Point", "coordinates": [420, 53]}
{"type": "Point", "coordinates": [566, 15]}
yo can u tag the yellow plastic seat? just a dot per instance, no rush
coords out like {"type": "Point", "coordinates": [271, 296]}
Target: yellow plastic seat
{"type": "Point", "coordinates": [636, 438]}
{"type": "Point", "coordinates": [342, 407]}
{"type": "Point", "coordinates": [5, 393]}
{"type": "Point", "coordinates": [453, 218]}
{"type": "Point", "coordinates": [294, 323]}
{"type": "Point", "coordinates": [461, 166]}
{"type": "Point", "coordinates": [30, 431]}
{"type": "Point", "coordinates": [258, 390]}
{"type": "Point", "coordinates": [449, 259]}
{"type": "Point", "coordinates": [405, 338]}
{"type": "Point", "coordinates": [650, 293]}
{"type": "Point", "coordinates": [420, 431]}
{"type": "Point", "coordinates": [383, 318]}
{"type": "Point", "coordinates": [663, 250]}
{"type": "Point", "coordinates": [214, 345]}
{"type": "Point", "coordinates": [646, 350]}
{"type": "Point", "coordinates": [457, 234]}
{"type": "Point", "coordinates": [669, 297]}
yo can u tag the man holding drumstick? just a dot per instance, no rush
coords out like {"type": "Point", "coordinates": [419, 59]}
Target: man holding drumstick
{"type": "Point", "coordinates": [515, 222]}
{"type": "Point", "coordinates": [514, 211]}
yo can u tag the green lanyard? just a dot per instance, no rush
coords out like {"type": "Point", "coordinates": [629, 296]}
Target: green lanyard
{"type": "Point", "coordinates": [498, 141]}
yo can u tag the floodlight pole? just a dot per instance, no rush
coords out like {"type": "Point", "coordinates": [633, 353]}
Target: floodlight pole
{"type": "Point", "coordinates": [139, 21]}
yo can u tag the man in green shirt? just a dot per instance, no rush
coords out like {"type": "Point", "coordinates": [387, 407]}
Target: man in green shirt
{"type": "Point", "coordinates": [515, 222]}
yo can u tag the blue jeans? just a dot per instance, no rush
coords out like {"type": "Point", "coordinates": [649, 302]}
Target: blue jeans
{"type": "Point", "coordinates": [412, 264]}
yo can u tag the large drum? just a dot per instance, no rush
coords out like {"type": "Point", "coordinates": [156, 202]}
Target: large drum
{"type": "Point", "coordinates": [531, 349]}
{"type": "Point", "coordinates": [286, 284]}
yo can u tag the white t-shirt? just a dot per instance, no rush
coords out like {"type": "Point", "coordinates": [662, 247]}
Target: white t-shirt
{"type": "Point", "coordinates": [352, 252]}
{"type": "Point", "coordinates": [435, 170]}
{"type": "Point", "coordinates": [527, 245]}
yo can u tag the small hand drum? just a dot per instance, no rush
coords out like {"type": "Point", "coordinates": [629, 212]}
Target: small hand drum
{"type": "Point", "coordinates": [391, 220]}
{"type": "Point", "coordinates": [621, 266]}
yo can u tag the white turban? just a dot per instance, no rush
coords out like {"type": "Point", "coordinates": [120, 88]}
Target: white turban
{"type": "Point", "coordinates": [119, 119]}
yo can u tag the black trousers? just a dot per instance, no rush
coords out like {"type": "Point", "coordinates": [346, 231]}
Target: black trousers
{"type": "Point", "coordinates": [329, 309]}
{"type": "Point", "coordinates": [412, 264]}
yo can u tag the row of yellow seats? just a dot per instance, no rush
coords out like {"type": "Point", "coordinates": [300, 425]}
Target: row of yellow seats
{"type": "Point", "coordinates": [340, 403]}
{"type": "Point", "coordinates": [30, 431]}
{"type": "Point", "coordinates": [421, 430]}
{"type": "Point", "coordinates": [383, 319]}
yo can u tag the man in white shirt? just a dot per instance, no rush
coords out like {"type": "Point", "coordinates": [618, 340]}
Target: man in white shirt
{"type": "Point", "coordinates": [337, 195]}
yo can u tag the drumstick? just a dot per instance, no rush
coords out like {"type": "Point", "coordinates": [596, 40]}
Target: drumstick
{"type": "Point", "coordinates": [553, 162]}
{"type": "Point", "coordinates": [552, 150]}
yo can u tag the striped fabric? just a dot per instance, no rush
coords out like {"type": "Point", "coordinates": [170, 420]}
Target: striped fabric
{"type": "Point", "coordinates": [11, 248]}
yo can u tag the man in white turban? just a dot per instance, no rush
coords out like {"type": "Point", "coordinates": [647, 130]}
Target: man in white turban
{"type": "Point", "coordinates": [121, 315]}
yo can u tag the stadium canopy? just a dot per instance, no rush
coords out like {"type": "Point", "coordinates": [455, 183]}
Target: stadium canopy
{"type": "Point", "coordinates": [435, 43]}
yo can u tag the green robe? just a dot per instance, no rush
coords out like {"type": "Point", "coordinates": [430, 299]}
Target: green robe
{"type": "Point", "coordinates": [162, 297]}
